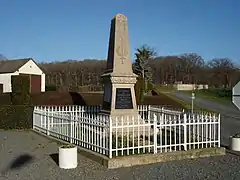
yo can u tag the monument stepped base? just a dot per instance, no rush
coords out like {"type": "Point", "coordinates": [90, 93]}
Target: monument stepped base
{"type": "Point", "coordinates": [128, 124]}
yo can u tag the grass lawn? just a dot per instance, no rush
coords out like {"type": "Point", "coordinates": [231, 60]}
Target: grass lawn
{"type": "Point", "coordinates": [166, 90]}
{"type": "Point", "coordinates": [186, 105]}
{"type": "Point", "coordinates": [210, 96]}
{"type": "Point", "coordinates": [163, 88]}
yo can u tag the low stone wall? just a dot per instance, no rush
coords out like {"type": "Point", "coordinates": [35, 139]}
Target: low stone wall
{"type": "Point", "coordinates": [127, 161]}
{"type": "Point", "coordinates": [189, 87]}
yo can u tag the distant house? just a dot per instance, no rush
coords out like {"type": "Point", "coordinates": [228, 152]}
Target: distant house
{"type": "Point", "coordinates": [18, 67]}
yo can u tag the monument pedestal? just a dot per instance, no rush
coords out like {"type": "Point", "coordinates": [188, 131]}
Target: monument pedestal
{"type": "Point", "coordinates": [119, 94]}
{"type": "Point", "coordinates": [120, 103]}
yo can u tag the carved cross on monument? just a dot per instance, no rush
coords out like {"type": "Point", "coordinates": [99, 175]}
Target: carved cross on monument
{"type": "Point", "coordinates": [119, 48]}
{"type": "Point", "coordinates": [121, 51]}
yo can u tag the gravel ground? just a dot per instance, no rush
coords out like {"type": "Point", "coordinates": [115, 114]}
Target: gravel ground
{"type": "Point", "coordinates": [34, 162]}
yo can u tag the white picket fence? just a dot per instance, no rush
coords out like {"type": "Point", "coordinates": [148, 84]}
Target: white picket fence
{"type": "Point", "coordinates": [163, 130]}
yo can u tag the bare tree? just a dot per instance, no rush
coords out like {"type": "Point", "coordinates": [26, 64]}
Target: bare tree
{"type": "Point", "coordinates": [222, 70]}
{"type": "Point", "coordinates": [191, 63]}
{"type": "Point", "coordinates": [188, 67]}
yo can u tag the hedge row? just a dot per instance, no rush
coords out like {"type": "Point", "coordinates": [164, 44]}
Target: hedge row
{"type": "Point", "coordinates": [19, 114]}
{"type": "Point", "coordinates": [142, 88]}
{"type": "Point", "coordinates": [220, 92]}
{"type": "Point", "coordinates": [20, 90]}
{"type": "Point", "coordinates": [16, 117]}
{"type": "Point", "coordinates": [138, 90]}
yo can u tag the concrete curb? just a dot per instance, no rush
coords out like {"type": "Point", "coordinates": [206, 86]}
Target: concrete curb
{"type": "Point", "coordinates": [133, 160]}
{"type": "Point", "coordinates": [127, 161]}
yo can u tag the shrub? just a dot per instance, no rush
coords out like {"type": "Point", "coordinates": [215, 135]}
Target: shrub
{"type": "Point", "coordinates": [16, 117]}
{"type": "Point", "coordinates": [51, 88]}
{"type": "Point", "coordinates": [5, 99]}
{"type": "Point", "coordinates": [73, 89]}
{"type": "Point", "coordinates": [139, 92]}
{"type": "Point", "coordinates": [83, 89]}
{"type": "Point", "coordinates": [68, 146]}
{"type": "Point", "coordinates": [154, 93]}
{"type": "Point", "coordinates": [150, 86]}
{"type": "Point", "coordinates": [237, 135]}
{"type": "Point", "coordinates": [220, 92]}
{"type": "Point", "coordinates": [163, 100]}
{"type": "Point", "coordinates": [20, 90]}
{"type": "Point", "coordinates": [20, 83]}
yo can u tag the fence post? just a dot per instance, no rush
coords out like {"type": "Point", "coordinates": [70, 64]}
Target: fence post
{"type": "Point", "coordinates": [148, 112]}
{"type": "Point", "coordinates": [219, 130]}
{"type": "Point", "coordinates": [110, 137]}
{"type": "Point", "coordinates": [70, 128]}
{"type": "Point", "coordinates": [34, 120]}
{"type": "Point", "coordinates": [45, 118]}
{"type": "Point", "coordinates": [82, 111]}
{"type": "Point", "coordinates": [162, 115]}
{"type": "Point", "coordinates": [47, 122]}
{"type": "Point", "coordinates": [51, 111]}
{"type": "Point", "coordinates": [185, 131]}
{"type": "Point", "coordinates": [41, 117]}
{"type": "Point", "coordinates": [155, 130]}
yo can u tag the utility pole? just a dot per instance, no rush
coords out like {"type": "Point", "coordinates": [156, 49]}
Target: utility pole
{"type": "Point", "coordinates": [193, 97]}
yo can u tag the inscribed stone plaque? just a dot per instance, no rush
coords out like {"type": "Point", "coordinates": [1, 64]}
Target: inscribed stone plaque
{"type": "Point", "coordinates": [123, 98]}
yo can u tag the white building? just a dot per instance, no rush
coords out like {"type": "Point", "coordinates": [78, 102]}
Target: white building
{"type": "Point", "coordinates": [18, 67]}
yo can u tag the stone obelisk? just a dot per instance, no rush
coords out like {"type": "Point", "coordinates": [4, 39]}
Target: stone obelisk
{"type": "Point", "coordinates": [119, 79]}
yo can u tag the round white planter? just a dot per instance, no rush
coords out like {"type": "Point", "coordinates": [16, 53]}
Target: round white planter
{"type": "Point", "coordinates": [68, 158]}
{"type": "Point", "coordinates": [235, 144]}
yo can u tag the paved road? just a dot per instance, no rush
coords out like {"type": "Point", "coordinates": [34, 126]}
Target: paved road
{"type": "Point", "coordinates": [26, 156]}
{"type": "Point", "coordinates": [227, 109]}
{"type": "Point", "coordinates": [230, 115]}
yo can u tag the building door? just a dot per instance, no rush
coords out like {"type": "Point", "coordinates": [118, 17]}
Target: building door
{"type": "Point", "coordinates": [35, 83]}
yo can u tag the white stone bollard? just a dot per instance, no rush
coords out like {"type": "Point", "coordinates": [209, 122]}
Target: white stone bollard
{"type": "Point", "coordinates": [68, 157]}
